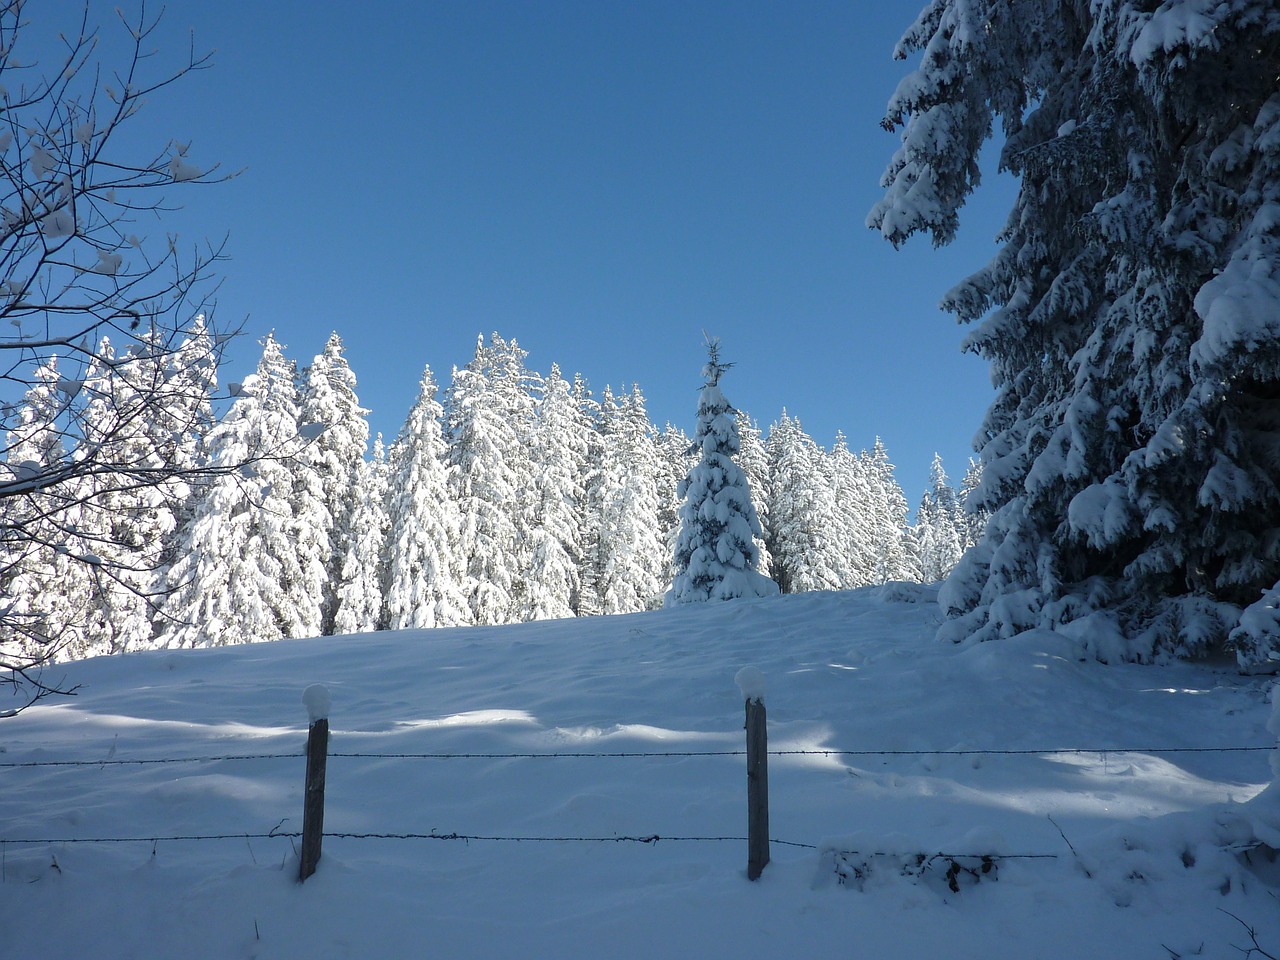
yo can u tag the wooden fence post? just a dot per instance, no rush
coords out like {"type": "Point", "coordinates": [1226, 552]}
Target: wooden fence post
{"type": "Point", "coordinates": [316, 697]}
{"type": "Point", "coordinates": [751, 682]}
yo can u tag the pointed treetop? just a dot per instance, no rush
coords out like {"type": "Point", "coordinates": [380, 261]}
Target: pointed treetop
{"type": "Point", "coordinates": [714, 368]}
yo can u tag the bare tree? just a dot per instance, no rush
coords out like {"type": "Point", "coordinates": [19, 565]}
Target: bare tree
{"type": "Point", "coordinates": [108, 349]}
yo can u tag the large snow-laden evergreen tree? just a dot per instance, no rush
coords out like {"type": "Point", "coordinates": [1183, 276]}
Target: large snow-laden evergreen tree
{"type": "Point", "coordinates": [237, 577]}
{"type": "Point", "coordinates": [716, 556]}
{"type": "Point", "coordinates": [424, 561]}
{"type": "Point", "coordinates": [1129, 457]}
{"type": "Point", "coordinates": [325, 493]}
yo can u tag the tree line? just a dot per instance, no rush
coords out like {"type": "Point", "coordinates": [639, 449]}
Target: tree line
{"type": "Point", "coordinates": [507, 496]}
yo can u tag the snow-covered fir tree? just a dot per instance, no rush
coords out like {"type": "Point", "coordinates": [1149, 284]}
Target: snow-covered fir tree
{"type": "Point", "coordinates": [973, 516]}
{"type": "Point", "coordinates": [629, 552]}
{"type": "Point", "coordinates": [560, 443]}
{"type": "Point", "coordinates": [802, 525]}
{"type": "Point", "coordinates": [851, 492]}
{"type": "Point", "coordinates": [44, 578]}
{"type": "Point", "coordinates": [754, 461]}
{"type": "Point", "coordinates": [361, 571]}
{"type": "Point", "coordinates": [888, 520]}
{"type": "Point", "coordinates": [180, 429]}
{"type": "Point", "coordinates": [675, 460]}
{"type": "Point", "coordinates": [1128, 459]}
{"type": "Point", "coordinates": [325, 492]}
{"type": "Point", "coordinates": [424, 561]}
{"type": "Point", "coordinates": [122, 521]}
{"type": "Point", "coordinates": [587, 603]}
{"type": "Point", "coordinates": [490, 417]}
{"type": "Point", "coordinates": [238, 577]}
{"type": "Point", "coordinates": [716, 556]}
{"type": "Point", "coordinates": [940, 528]}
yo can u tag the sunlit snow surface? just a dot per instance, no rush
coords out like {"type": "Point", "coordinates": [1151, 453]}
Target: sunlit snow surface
{"type": "Point", "coordinates": [1150, 875]}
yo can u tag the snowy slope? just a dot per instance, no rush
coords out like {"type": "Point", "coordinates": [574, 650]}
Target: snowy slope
{"type": "Point", "coordinates": [855, 671]}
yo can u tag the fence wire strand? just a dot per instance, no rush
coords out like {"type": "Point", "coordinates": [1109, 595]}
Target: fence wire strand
{"type": "Point", "coordinates": [633, 755]}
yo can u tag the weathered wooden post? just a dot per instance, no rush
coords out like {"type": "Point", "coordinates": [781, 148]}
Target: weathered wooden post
{"type": "Point", "coordinates": [316, 698]}
{"type": "Point", "coordinates": [751, 683]}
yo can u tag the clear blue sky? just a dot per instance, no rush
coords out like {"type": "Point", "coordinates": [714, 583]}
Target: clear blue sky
{"type": "Point", "coordinates": [602, 181]}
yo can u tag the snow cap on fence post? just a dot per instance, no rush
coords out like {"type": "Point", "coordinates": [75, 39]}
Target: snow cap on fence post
{"type": "Point", "coordinates": [750, 681]}
{"type": "Point", "coordinates": [316, 699]}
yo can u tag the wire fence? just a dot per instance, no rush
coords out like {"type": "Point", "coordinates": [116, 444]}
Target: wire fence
{"type": "Point", "coordinates": [644, 839]}
{"type": "Point", "coordinates": [632, 755]}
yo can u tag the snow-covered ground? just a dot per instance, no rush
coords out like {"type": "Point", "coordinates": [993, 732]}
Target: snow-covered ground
{"type": "Point", "coordinates": [1159, 867]}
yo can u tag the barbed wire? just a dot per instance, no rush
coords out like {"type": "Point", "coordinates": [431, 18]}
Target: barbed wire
{"type": "Point", "coordinates": [644, 839]}
{"type": "Point", "coordinates": [631, 755]}
{"type": "Point", "coordinates": [114, 762]}
{"type": "Point", "coordinates": [652, 838]}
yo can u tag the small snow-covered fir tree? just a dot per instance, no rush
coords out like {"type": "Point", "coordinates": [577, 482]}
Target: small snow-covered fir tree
{"type": "Point", "coordinates": [716, 556]}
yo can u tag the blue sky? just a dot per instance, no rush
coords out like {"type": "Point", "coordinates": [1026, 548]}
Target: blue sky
{"type": "Point", "coordinates": [602, 181]}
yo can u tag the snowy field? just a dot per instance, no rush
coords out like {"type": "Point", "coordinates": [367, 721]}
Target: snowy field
{"type": "Point", "coordinates": [1137, 853]}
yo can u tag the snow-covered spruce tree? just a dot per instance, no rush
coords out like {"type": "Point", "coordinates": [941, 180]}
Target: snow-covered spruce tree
{"type": "Point", "coordinates": [490, 414]}
{"type": "Point", "coordinates": [754, 461]}
{"type": "Point", "coordinates": [560, 442]}
{"type": "Point", "coordinates": [76, 267]}
{"type": "Point", "coordinates": [46, 583]}
{"type": "Point", "coordinates": [804, 535]}
{"type": "Point", "coordinates": [361, 570]}
{"type": "Point", "coordinates": [851, 493]}
{"type": "Point", "coordinates": [237, 577]}
{"type": "Point", "coordinates": [675, 460]}
{"type": "Point", "coordinates": [1129, 460]}
{"type": "Point", "coordinates": [939, 528]}
{"type": "Point", "coordinates": [122, 524]}
{"type": "Point", "coordinates": [424, 561]}
{"type": "Point", "coordinates": [325, 492]}
{"type": "Point", "coordinates": [587, 602]}
{"type": "Point", "coordinates": [973, 516]}
{"type": "Point", "coordinates": [630, 554]}
{"type": "Point", "coordinates": [716, 556]}
{"type": "Point", "coordinates": [888, 518]}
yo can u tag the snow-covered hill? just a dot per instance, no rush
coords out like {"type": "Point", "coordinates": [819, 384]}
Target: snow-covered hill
{"type": "Point", "coordinates": [1158, 867]}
